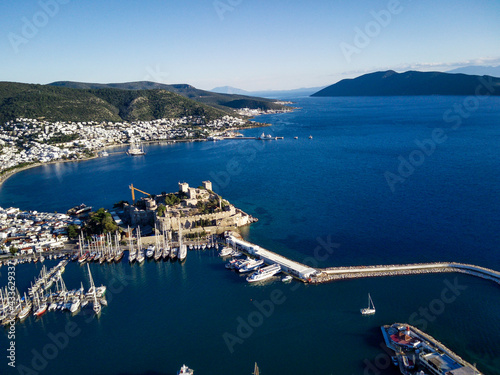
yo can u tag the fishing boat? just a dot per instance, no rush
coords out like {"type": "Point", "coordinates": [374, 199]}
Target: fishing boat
{"type": "Point", "coordinates": [264, 273]}
{"type": "Point", "coordinates": [371, 307]}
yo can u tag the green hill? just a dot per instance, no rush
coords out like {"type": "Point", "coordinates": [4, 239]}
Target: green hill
{"type": "Point", "coordinates": [107, 104]}
{"type": "Point", "coordinates": [221, 101]}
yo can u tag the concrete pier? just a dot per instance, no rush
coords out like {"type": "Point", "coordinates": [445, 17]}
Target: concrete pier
{"type": "Point", "coordinates": [323, 275]}
{"type": "Point", "coordinates": [339, 273]}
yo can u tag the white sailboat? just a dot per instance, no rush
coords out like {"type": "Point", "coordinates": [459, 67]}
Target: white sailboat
{"type": "Point", "coordinates": [92, 290]}
{"type": "Point", "coordinates": [135, 149]}
{"type": "Point", "coordinates": [371, 307]}
{"type": "Point", "coordinates": [182, 247]}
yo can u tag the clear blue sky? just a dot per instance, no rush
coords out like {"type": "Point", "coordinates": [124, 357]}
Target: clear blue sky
{"type": "Point", "coordinates": [253, 45]}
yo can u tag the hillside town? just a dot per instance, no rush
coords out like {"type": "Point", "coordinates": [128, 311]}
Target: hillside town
{"type": "Point", "coordinates": [32, 232]}
{"type": "Point", "coordinates": [36, 141]}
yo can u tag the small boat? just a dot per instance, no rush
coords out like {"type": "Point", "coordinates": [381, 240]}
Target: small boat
{"type": "Point", "coordinates": [173, 253]}
{"type": "Point", "coordinates": [41, 310]}
{"type": "Point", "coordinates": [225, 251]}
{"type": "Point", "coordinates": [166, 253]}
{"type": "Point", "coordinates": [118, 256]}
{"type": "Point", "coordinates": [250, 265]}
{"type": "Point", "coordinates": [185, 370]}
{"type": "Point", "coordinates": [295, 137]}
{"type": "Point", "coordinates": [25, 311]}
{"type": "Point", "coordinates": [371, 307]}
{"type": "Point", "coordinates": [158, 254]}
{"type": "Point", "coordinates": [310, 137]}
{"type": "Point", "coordinates": [140, 256]}
{"type": "Point", "coordinates": [75, 305]}
{"type": "Point", "coordinates": [287, 279]}
{"type": "Point", "coordinates": [150, 252]}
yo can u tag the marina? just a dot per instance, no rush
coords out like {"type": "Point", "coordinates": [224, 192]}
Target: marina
{"type": "Point", "coordinates": [326, 309]}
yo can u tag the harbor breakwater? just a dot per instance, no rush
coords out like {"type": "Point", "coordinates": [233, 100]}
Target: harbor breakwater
{"type": "Point", "coordinates": [341, 273]}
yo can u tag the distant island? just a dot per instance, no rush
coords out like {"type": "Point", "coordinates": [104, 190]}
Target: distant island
{"type": "Point", "coordinates": [390, 83]}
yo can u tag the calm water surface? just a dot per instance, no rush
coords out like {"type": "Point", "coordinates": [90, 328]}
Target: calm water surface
{"type": "Point", "coordinates": [305, 192]}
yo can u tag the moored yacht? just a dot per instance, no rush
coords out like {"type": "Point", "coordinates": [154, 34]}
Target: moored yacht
{"type": "Point", "coordinates": [225, 251]}
{"type": "Point", "coordinates": [150, 252]}
{"type": "Point", "coordinates": [264, 273]}
{"type": "Point", "coordinates": [135, 149]}
{"type": "Point", "coordinates": [140, 256]}
{"type": "Point", "coordinates": [251, 265]}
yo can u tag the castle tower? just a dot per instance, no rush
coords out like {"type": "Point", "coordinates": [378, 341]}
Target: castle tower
{"type": "Point", "coordinates": [183, 187]}
{"type": "Point", "coordinates": [207, 185]}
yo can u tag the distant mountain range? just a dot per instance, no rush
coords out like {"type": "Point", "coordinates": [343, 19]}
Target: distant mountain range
{"type": "Point", "coordinates": [76, 101]}
{"type": "Point", "coordinates": [390, 83]}
{"type": "Point", "coordinates": [478, 70]}
{"type": "Point", "coordinates": [271, 94]}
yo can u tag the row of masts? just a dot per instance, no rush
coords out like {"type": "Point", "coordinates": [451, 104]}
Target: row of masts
{"type": "Point", "coordinates": [101, 251]}
{"type": "Point", "coordinates": [41, 299]}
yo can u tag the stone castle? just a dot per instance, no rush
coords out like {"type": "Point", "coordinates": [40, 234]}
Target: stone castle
{"type": "Point", "coordinates": [198, 210]}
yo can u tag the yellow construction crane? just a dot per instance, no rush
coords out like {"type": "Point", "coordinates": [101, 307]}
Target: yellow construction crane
{"type": "Point", "coordinates": [132, 188]}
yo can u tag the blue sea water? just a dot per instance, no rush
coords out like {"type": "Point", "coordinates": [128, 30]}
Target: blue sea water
{"type": "Point", "coordinates": [330, 189]}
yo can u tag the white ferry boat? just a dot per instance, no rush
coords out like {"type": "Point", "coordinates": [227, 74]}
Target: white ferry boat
{"type": "Point", "coordinates": [251, 265]}
{"type": "Point", "coordinates": [264, 273]}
